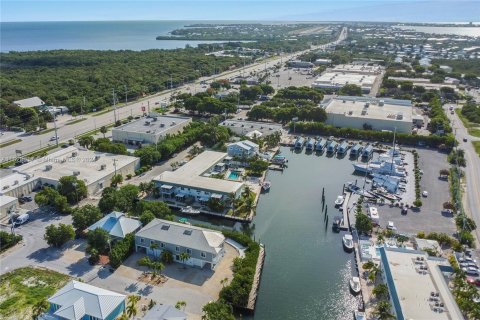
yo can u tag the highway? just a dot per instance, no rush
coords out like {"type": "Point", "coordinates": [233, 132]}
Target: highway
{"type": "Point", "coordinates": [65, 132]}
{"type": "Point", "coordinates": [472, 171]}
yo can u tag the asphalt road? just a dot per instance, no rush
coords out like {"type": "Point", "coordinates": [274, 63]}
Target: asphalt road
{"type": "Point", "coordinates": [65, 132]}
{"type": "Point", "coordinates": [472, 171]}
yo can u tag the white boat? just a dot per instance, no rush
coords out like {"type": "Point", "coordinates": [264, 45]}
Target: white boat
{"type": "Point", "coordinates": [355, 285]}
{"type": "Point", "coordinates": [348, 242]}
{"type": "Point", "coordinates": [339, 201]}
{"type": "Point", "coordinates": [189, 210]}
{"type": "Point", "coordinates": [358, 315]}
{"type": "Point", "coordinates": [266, 185]}
{"type": "Point", "coordinates": [386, 168]}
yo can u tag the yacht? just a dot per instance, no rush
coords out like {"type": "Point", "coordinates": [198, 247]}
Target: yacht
{"type": "Point", "coordinates": [266, 185]}
{"type": "Point", "coordinates": [337, 222]}
{"type": "Point", "coordinates": [348, 242]}
{"type": "Point", "coordinates": [310, 146]}
{"type": "Point", "coordinates": [355, 285]}
{"type": "Point", "coordinates": [339, 201]}
{"type": "Point", "coordinates": [320, 145]}
{"type": "Point", "coordinates": [386, 168]}
{"type": "Point", "coordinates": [189, 210]}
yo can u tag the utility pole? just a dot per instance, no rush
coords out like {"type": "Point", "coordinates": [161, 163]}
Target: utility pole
{"type": "Point", "coordinates": [115, 166]}
{"type": "Point", "coordinates": [82, 107]}
{"type": "Point", "coordinates": [55, 125]}
{"type": "Point", "coordinates": [126, 96]}
{"type": "Point", "coordinates": [114, 106]}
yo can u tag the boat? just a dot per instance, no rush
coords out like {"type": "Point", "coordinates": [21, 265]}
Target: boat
{"type": "Point", "coordinates": [279, 159]}
{"type": "Point", "coordinates": [386, 168]}
{"type": "Point", "coordinates": [320, 145]}
{"type": "Point", "coordinates": [367, 152]}
{"type": "Point", "coordinates": [189, 210]}
{"type": "Point", "coordinates": [310, 146]}
{"type": "Point", "coordinates": [356, 150]}
{"type": "Point", "coordinates": [356, 189]}
{"type": "Point", "coordinates": [337, 222]}
{"type": "Point", "coordinates": [342, 149]}
{"type": "Point", "coordinates": [332, 147]}
{"type": "Point", "coordinates": [355, 285]}
{"type": "Point", "coordinates": [266, 185]}
{"type": "Point", "coordinates": [299, 143]}
{"type": "Point", "coordinates": [184, 221]}
{"type": "Point", "coordinates": [339, 201]}
{"type": "Point", "coordinates": [358, 315]}
{"type": "Point", "coordinates": [347, 242]}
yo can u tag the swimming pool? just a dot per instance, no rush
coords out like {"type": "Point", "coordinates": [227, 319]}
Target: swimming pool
{"type": "Point", "coordinates": [234, 175]}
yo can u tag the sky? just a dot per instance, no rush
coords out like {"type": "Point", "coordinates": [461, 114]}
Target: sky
{"type": "Point", "coordinates": [276, 10]}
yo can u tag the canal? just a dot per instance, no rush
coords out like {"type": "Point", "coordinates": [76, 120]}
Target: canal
{"type": "Point", "coordinates": [306, 270]}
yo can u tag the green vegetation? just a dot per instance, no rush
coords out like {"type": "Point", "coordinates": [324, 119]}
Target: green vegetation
{"type": "Point", "coordinates": [471, 112]}
{"type": "Point", "coordinates": [256, 167]}
{"type": "Point", "coordinates": [418, 195]}
{"type": "Point", "coordinates": [72, 188]}
{"type": "Point", "coordinates": [121, 250]}
{"type": "Point", "coordinates": [8, 240]}
{"type": "Point", "coordinates": [350, 90]}
{"type": "Point", "coordinates": [9, 143]}
{"type": "Point", "coordinates": [217, 310]}
{"type": "Point", "coordinates": [443, 239]}
{"type": "Point", "coordinates": [469, 67]}
{"type": "Point", "coordinates": [16, 118]}
{"type": "Point", "coordinates": [98, 240]}
{"type": "Point", "coordinates": [438, 119]}
{"type": "Point", "coordinates": [49, 196]}
{"type": "Point", "coordinates": [318, 128]}
{"type": "Point", "coordinates": [457, 156]}
{"type": "Point", "coordinates": [237, 292]}
{"type": "Point", "coordinates": [22, 289]}
{"type": "Point", "coordinates": [64, 77]}
{"type": "Point", "coordinates": [465, 293]}
{"type": "Point", "coordinates": [58, 235]}
{"type": "Point", "coordinates": [476, 145]}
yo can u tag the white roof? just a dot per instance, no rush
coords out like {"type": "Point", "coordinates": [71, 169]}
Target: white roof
{"type": "Point", "coordinates": [254, 134]}
{"type": "Point", "coordinates": [117, 224]}
{"type": "Point", "coordinates": [245, 144]}
{"type": "Point", "coordinates": [165, 312]}
{"type": "Point", "coordinates": [190, 174]}
{"type": "Point", "coordinates": [29, 102]}
{"type": "Point", "coordinates": [77, 299]}
{"type": "Point", "coordinates": [7, 200]}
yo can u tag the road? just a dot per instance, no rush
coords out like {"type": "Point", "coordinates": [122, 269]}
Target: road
{"type": "Point", "coordinates": [472, 171]}
{"type": "Point", "coordinates": [65, 132]}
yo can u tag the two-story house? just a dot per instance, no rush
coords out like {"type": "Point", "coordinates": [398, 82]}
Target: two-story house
{"type": "Point", "coordinates": [204, 247]}
{"type": "Point", "coordinates": [243, 149]}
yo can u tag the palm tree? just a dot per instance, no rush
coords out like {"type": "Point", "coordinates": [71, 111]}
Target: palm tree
{"type": "Point", "coordinates": [123, 316]}
{"type": "Point", "coordinates": [132, 305]}
{"type": "Point", "coordinates": [230, 201]}
{"type": "Point", "coordinates": [39, 308]}
{"type": "Point", "coordinates": [246, 192]}
{"type": "Point", "coordinates": [184, 256]}
{"type": "Point", "coordinates": [143, 187]}
{"type": "Point", "coordinates": [86, 141]}
{"type": "Point", "coordinates": [380, 291]}
{"type": "Point", "coordinates": [223, 282]}
{"type": "Point", "coordinates": [103, 130]}
{"type": "Point", "coordinates": [181, 305]}
{"type": "Point", "coordinates": [374, 272]}
{"type": "Point", "coordinates": [383, 311]}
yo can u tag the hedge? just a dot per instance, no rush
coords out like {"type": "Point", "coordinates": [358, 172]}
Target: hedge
{"type": "Point", "coordinates": [122, 250]}
{"type": "Point", "coordinates": [8, 240]}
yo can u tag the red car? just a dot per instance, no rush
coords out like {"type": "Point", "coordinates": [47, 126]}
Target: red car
{"type": "Point", "coordinates": [477, 282]}
{"type": "Point", "coordinates": [472, 280]}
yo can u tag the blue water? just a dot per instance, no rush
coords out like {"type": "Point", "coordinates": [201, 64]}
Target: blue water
{"type": "Point", "coordinates": [97, 35]}
{"type": "Point", "coordinates": [233, 175]}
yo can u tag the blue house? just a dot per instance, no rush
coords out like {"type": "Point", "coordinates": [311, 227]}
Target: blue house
{"type": "Point", "coordinates": [81, 301]}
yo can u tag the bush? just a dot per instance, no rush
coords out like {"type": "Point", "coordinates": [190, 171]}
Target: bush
{"type": "Point", "coordinates": [121, 250]}
{"type": "Point", "coordinates": [58, 235]}
{"type": "Point", "coordinates": [94, 257]}
{"type": "Point", "coordinates": [98, 240]}
{"type": "Point", "coordinates": [85, 216]}
{"type": "Point", "coordinates": [417, 203]}
{"type": "Point", "coordinates": [72, 188]}
{"type": "Point", "coordinates": [146, 217]}
{"type": "Point", "coordinates": [8, 240]}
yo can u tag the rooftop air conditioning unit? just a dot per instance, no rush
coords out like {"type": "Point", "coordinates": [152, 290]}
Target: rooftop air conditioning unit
{"type": "Point", "coordinates": [74, 154]}
{"type": "Point", "coordinates": [162, 125]}
{"type": "Point", "coordinates": [147, 123]}
{"type": "Point", "coordinates": [97, 158]}
{"type": "Point", "coordinates": [76, 173]}
{"type": "Point", "coordinates": [367, 104]}
{"type": "Point", "coordinates": [15, 182]}
{"type": "Point", "coordinates": [381, 103]}
{"type": "Point", "coordinates": [103, 167]}
{"type": "Point", "coordinates": [48, 167]}
{"type": "Point", "coordinates": [154, 119]}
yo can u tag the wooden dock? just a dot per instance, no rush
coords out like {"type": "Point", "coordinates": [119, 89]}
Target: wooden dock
{"type": "Point", "coordinates": [252, 297]}
{"type": "Point", "coordinates": [345, 225]}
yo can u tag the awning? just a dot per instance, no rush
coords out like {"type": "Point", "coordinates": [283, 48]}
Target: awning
{"type": "Point", "coordinates": [166, 187]}
{"type": "Point", "coordinates": [216, 196]}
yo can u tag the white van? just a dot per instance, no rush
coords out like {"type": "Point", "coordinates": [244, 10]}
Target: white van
{"type": "Point", "coordinates": [373, 215]}
{"type": "Point", "coordinates": [23, 218]}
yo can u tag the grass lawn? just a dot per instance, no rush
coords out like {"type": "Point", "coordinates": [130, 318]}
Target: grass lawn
{"type": "Point", "coordinates": [75, 121]}
{"type": "Point", "coordinates": [9, 143]}
{"type": "Point", "coordinates": [476, 145]}
{"type": "Point", "coordinates": [22, 288]}
{"type": "Point", "coordinates": [473, 128]}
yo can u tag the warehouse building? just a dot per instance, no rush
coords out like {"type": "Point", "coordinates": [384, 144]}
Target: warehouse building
{"type": "Point", "coordinates": [7, 205]}
{"type": "Point", "coordinates": [193, 180]}
{"type": "Point", "coordinates": [359, 68]}
{"type": "Point", "coordinates": [32, 102]}
{"type": "Point", "coordinates": [379, 114]}
{"type": "Point", "coordinates": [94, 168]}
{"type": "Point", "coordinates": [337, 80]}
{"type": "Point", "coordinates": [149, 130]}
{"type": "Point", "coordinates": [418, 285]}
{"type": "Point", "coordinates": [242, 127]}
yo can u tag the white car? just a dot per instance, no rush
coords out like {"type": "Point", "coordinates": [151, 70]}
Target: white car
{"type": "Point", "coordinates": [391, 226]}
{"type": "Point", "coordinates": [53, 138]}
{"type": "Point", "coordinates": [425, 194]}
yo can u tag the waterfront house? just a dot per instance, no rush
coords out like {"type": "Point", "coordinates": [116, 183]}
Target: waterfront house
{"type": "Point", "coordinates": [242, 149]}
{"type": "Point", "coordinates": [356, 150]}
{"type": "Point", "coordinates": [320, 145]}
{"type": "Point", "coordinates": [81, 301]}
{"type": "Point", "coordinates": [205, 247]}
{"type": "Point", "coordinates": [117, 224]}
{"type": "Point", "coordinates": [299, 143]}
{"type": "Point", "coordinates": [164, 312]}
{"type": "Point", "coordinates": [332, 147]}
{"type": "Point", "coordinates": [367, 152]}
{"type": "Point", "coordinates": [310, 144]}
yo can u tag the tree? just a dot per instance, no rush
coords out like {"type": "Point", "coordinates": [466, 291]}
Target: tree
{"type": "Point", "coordinates": [86, 141]}
{"type": "Point", "coordinates": [72, 188]}
{"type": "Point", "coordinates": [181, 305]}
{"type": "Point", "coordinates": [154, 265]}
{"type": "Point", "coordinates": [223, 282]}
{"type": "Point", "coordinates": [350, 90]}
{"type": "Point", "coordinates": [40, 308]}
{"type": "Point", "coordinates": [166, 256]}
{"type": "Point", "coordinates": [103, 130]}
{"type": "Point", "coordinates": [132, 305]}
{"type": "Point", "coordinates": [116, 180]}
{"type": "Point", "coordinates": [383, 311]}
{"type": "Point", "coordinates": [50, 197]}
{"type": "Point", "coordinates": [217, 310]}
{"type": "Point", "coordinates": [85, 216]}
{"type": "Point", "coordinates": [146, 217]}
{"type": "Point", "coordinates": [98, 239]}
{"type": "Point", "coordinates": [184, 256]}
{"type": "Point", "coordinates": [363, 223]}
{"type": "Point", "coordinates": [380, 291]}
{"type": "Point", "coordinates": [58, 235]}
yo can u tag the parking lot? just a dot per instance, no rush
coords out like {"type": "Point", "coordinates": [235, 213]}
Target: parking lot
{"type": "Point", "coordinates": [429, 218]}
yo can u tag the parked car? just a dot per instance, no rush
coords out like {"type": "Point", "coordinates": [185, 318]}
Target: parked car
{"type": "Point", "coordinates": [425, 194]}
{"type": "Point", "coordinates": [477, 282]}
{"type": "Point", "coordinates": [20, 161]}
{"type": "Point", "coordinates": [21, 219]}
{"type": "Point", "coordinates": [391, 226]}
{"type": "Point", "coordinates": [465, 139]}
{"type": "Point", "coordinates": [25, 198]}
{"type": "Point", "coordinates": [471, 271]}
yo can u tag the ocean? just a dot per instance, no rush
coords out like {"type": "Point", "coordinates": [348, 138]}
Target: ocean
{"type": "Point", "coordinates": [96, 35]}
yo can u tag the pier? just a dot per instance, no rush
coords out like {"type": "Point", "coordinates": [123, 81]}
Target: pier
{"type": "Point", "coordinates": [345, 225]}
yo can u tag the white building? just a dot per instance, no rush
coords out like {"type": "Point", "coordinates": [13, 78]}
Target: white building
{"type": "Point", "coordinates": [380, 114]}
{"type": "Point", "coordinates": [7, 205]}
{"type": "Point", "coordinates": [243, 127]}
{"type": "Point", "coordinates": [149, 130]}
{"type": "Point", "coordinates": [94, 168]}
{"type": "Point", "coordinates": [319, 62]}
{"type": "Point", "coordinates": [32, 102]}
{"type": "Point", "coordinates": [337, 80]}
{"type": "Point", "coordinates": [358, 68]}
{"type": "Point", "coordinates": [300, 64]}
{"type": "Point", "coordinates": [193, 180]}
{"type": "Point", "coordinates": [242, 149]}
{"type": "Point", "coordinates": [418, 285]}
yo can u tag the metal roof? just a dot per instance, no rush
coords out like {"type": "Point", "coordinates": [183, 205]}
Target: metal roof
{"type": "Point", "coordinates": [29, 102]}
{"type": "Point", "coordinates": [77, 299]}
{"type": "Point", "coordinates": [117, 224]}
{"type": "Point", "coordinates": [183, 235]}
{"type": "Point", "coordinates": [165, 312]}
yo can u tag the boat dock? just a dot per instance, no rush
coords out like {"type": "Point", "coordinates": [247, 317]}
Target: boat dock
{"type": "Point", "coordinates": [345, 225]}
{"type": "Point", "coordinates": [276, 167]}
{"type": "Point", "coordinates": [252, 297]}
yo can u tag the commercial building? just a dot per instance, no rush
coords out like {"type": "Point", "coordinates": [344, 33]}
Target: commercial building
{"type": "Point", "coordinates": [94, 168]}
{"type": "Point", "coordinates": [243, 127]}
{"type": "Point", "coordinates": [358, 68]}
{"type": "Point", "coordinates": [149, 130]}
{"type": "Point", "coordinates": [205, 247]}
{"type": "Point", "coordinates": [319, 62]}
{"type": "Point", "coordinates": [193, 180]}
{"type": "Point", "coordinates": [300, 64]}
{"type": "Point", "coordinates": [81, 301]}
{"type": "Point", "coordinates": [418, 285]}
{"type": "Point", "coordinates": [361, 112]}
{"type": "Point", "coordinates": [242, 149]}
{"type": "Point", "coordinates": [32, 102]}
{"type": "Point", "coordinates": [7, 205]}
{"type": "Point", "coordinates": [337, 80]}
{"type": "Point", "coordinates": [117, 224]}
